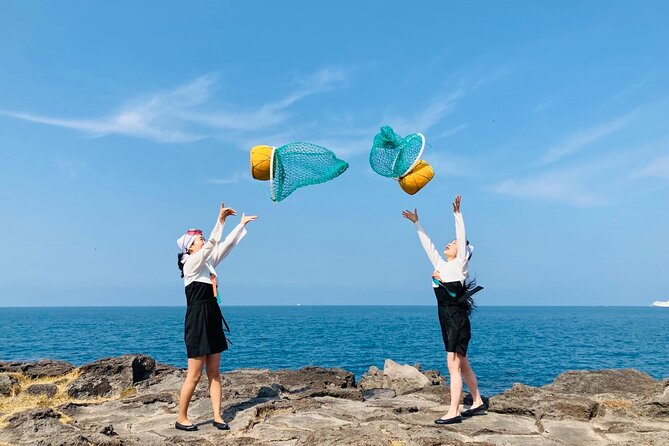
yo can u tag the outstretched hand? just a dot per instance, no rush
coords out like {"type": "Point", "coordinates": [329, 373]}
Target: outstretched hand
{"type": "Point", "coordinates": [413, 216]}
{"type": "Point", "coordinates": [456, 204]}
{"type": "Point", "coordinates": [248, 218]}
{"type": "Point", "coordinates": [224, 213]}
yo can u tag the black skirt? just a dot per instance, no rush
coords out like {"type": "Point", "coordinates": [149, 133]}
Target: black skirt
{"type": "Point", "coordinates": [456, 329]}
{"type": "Point", "coordinates": [203, 326]}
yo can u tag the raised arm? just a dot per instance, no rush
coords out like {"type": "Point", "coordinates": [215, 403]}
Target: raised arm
{"type": "Point", "coordinates": [238, 233]}
{"type": "Point", "coordinates": [425, 241]}
{"type": "Point", "coordinates": [197, 260]}
{"type": "Point", "coordinates": [460, 234]}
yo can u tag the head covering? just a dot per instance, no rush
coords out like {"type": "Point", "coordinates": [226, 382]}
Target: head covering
{"type": "Point", "coordinates": [470, 250]}
{"type": "Point", "coordinates": [185, 241]}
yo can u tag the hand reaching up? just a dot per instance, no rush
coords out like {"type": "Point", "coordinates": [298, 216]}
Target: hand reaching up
{"type": "Point", "coordinates": [224, 213]}
{"type": "Point", "coordinates": [248, 218]}
{"type": "Point", "coordinates": [456, 204]}
{"type": "Point", "coordinates": [413, 216]}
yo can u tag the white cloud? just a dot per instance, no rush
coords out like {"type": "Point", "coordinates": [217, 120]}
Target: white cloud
{"type": "Point", "coordinates": [432, 114]}
{"type": "Point", "coordinates": [238, 176]}
{"type": "Point", "coordinates": [657, 168]}
{"type": "Point", "coordinates": [562, 186]}
{"type": "Point", "coordinates": [449, 132]}
{"type": "Point", "coordinates": [577, 141]}
{"type": "Point", "coordinates": [182, 115]}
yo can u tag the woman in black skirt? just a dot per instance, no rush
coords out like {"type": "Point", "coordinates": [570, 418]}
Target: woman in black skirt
{"type": "Point", "coordinates": [454, 299]}
{"type": "Point", "coordinates": [203, 327]}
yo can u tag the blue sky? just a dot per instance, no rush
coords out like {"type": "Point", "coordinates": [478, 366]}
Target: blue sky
{"type": "Point", "coordinates": [124, 124]}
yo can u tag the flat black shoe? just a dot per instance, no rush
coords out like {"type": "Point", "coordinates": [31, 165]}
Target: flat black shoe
{"type": "Point", "coordinates": [480, 410]}
{"type": "Point", "coordinates": [185, 427]}
{"type": "Point", "coordinates": [453, 420]}
{"type": "Point", "coordinates": [222, 426]}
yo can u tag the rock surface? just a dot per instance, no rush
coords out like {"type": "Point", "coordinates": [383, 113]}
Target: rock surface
{"type": "Point", "coordinates": [131, 400]}
{"type": "Point", "coordinates": [8, 385]}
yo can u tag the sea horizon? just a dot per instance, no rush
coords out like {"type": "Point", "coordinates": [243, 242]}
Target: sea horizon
{"type": "Point", "coordinates": [528, 344]}
{"type": "Point", "coordinates": [327, 305]}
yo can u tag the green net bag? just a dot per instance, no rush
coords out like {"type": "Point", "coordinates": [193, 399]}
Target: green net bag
{"type": "Point", "coordinates": [393, 156]}
{"type": "Point", "coordinates": [294, 165]}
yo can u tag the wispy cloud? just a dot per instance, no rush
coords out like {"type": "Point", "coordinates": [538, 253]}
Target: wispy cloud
{"type": "Point", "coordinates": [429, 116]}
{"type": "Point", "coordinates": [579, 140]}
{"type": "Point", "coordinates": [657, 168]}
{"type": "Point", "coordinates": [602, 180]}
{"type": "Point", "coordinates": [184, 114]}
{"type": "Point", "coordinates": [69, 167]}
{"type": "Point", "coordinates": [238, 176]}
{"type": "Point", "coordinates": [449, 132]}
{"type": "Point", "coordinates": [565, 186]}
{"type": "Point", "coordinates": [543, 106]}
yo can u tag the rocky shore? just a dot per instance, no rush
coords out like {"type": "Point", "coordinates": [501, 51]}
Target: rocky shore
{"type": "Point", "coordinates": [132, 400]}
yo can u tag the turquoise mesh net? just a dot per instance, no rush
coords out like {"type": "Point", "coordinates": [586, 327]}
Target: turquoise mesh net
{"type": "Point", "coordinates": [392, 156]}
{"type": "Point", "coordinates": [301, 164]}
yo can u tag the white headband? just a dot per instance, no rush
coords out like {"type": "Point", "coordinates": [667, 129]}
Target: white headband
{"type": "Point", "coordinates": [185, 241]}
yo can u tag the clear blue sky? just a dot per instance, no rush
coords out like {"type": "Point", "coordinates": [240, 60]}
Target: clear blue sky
{"type": "Point", "coordinates": [122, 124]}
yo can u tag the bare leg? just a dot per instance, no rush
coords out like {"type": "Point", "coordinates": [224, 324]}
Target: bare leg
{"type": "Point", "coordinates": [454, 363]}
{"type": "Point", "coordinates": [192, 378]}
{"type": "Point", "coordinates": [472, 383]}
{"type": "Point", "coordinates": [214, 376]}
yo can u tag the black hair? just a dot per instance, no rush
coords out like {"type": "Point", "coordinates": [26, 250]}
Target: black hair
{"type": "Point", "coordinates": [179, 264]}
{"type": "Point", "coordinates": [469, 303]}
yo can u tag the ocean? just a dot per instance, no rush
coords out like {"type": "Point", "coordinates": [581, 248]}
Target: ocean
{"type": "Point", "coordinates": [531, 345]}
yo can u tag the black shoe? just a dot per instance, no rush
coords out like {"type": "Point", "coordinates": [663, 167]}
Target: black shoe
{"type": "Point", "coordinates": [185, 427]}
{"type": "Point", "coordinates": [453, 420]}
{"type": "Point", "coordinates": [480, 410]}
{"type": "Point", "coordinates": [222, 426]}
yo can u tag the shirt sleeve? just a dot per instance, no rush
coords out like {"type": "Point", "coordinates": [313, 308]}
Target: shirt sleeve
{"type": "Point", "coordinates": [196, 261]}
{"type": "Point", "coordinates": [428, 246]}
{"type": "Point", "coordinates": [460, 238]}
{"type": "Point", "coordinates": [224, 248]}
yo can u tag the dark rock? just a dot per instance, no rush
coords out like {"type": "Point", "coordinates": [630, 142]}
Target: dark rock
{"type": "Point", "coordinates": [111, 375]}
{"type": "Point", "coordinates": [108, 431]}
{"type": "Point", "coordinates": [539, 403]}
{"type": "Point", "coordinates": [48, 390]}
{"type": "Point", "coordinates": [12, 366]}
{"type": "Point", "coordinates": [272, 391]}
{"type": "Point", "coordinates": [38, 369]}
{"type": "Point", "coordinates": [347, 394]}
{"type": "Point", "coordinates": [152, 398]}
{"type": "Point", "coordinates": [411, 409]}
{"type": "Point", "coordinates": [376, 394]}
{"type": "Point", "coordinates": [9, 386]}
{"type": "Point", "coordinates": [47, 368]}
{"type": "Point", "coordinates": [625, 381]}
{"type": "Point", "coordinates": [89, 387]}
{"type": "Point", "coordinates": [315, 378]}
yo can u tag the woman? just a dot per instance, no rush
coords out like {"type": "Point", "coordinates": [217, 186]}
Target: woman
{"type": "Point", "coordinates": [203, 328]}
{"type": "Point", "coordinates": [454, 298]}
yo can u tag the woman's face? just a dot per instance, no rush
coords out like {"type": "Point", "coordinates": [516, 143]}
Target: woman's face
{"type": "Point", "coordinates": [197, 244]}
{"type": "Point", "coordinates": [451, 249]}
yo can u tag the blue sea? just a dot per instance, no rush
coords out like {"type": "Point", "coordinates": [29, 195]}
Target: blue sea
{"type": "Point", "coordinates": [531, 345]}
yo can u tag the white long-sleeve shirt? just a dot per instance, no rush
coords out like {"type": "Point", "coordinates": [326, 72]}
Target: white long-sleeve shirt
{"type": "Point", "coordinates": [455, 270]}
{"type": "Point", "coordinates": [200, 266]}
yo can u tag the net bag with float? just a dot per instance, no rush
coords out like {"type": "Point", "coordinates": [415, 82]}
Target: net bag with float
{"type": "Point", "coordinates": [399, 158]}
{"type": "Point", "coordinates": [294, 165]}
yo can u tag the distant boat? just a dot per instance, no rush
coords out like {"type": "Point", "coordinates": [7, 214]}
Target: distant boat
{"type": "Point", "coordinates": [659, 303]}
